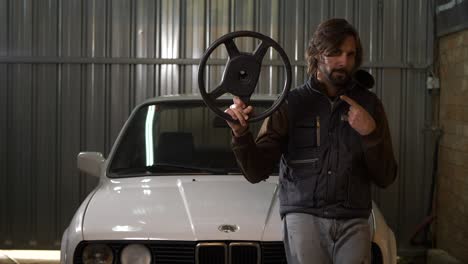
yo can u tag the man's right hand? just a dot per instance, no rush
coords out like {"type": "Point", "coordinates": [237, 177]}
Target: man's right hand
{"type": "Point", "coordinates": [240, 112]}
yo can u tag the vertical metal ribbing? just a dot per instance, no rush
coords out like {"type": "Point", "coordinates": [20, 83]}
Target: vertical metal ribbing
{"type": "Point", "coordinates": [399, 88]}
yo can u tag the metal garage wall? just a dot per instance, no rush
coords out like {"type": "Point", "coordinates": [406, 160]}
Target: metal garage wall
{"type": "Point", "coordinates": [71, 71]}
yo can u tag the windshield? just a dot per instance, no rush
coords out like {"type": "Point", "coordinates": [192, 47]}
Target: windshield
{"type": "Point", "coordinates": [177, 138]}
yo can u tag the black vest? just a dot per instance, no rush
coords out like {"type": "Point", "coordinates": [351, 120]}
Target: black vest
{"type": "Point", "coordinates": [323, 171]}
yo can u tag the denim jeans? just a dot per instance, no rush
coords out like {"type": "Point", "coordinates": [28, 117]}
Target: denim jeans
{"type": "Point", "coordinates": [311, 239]}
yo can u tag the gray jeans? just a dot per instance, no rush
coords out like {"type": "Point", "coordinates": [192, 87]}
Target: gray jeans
{"type": "Point", "coordinates": [311, 239]}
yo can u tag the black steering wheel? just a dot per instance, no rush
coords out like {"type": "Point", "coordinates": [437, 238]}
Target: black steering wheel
{"type": "Point", "coordinates": [241, 74]}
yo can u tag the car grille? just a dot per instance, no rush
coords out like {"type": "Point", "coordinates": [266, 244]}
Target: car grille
{"type": "Point", "coordinates": [206, 252]}
{"type": "Point", "coordinates": [232, 253]}
{"type": "Point", "coordinates": [211, 253]}
{"type": "Point", "coordinates": [244, 253]}
{"type": "Point", "coordinates": [273, 253]}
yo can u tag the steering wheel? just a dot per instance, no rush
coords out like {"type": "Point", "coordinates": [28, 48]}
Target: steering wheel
{"type": "Point", "coordinates": [241, 73]}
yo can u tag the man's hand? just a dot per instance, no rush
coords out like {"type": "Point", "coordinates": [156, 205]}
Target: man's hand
{"type": "Point", "coordinates": [239, 111]}
{"type": "Point", "coordinates": [359, 118]}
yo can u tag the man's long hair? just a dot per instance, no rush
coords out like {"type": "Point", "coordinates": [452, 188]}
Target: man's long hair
{"type": "Point", "coordinates": [328, 37]}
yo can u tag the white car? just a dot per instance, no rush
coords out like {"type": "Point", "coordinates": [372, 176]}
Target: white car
{"type": "Point", "coordinates": [170, 192]}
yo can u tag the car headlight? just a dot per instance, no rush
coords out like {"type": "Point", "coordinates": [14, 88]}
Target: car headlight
{"type": "Point", "coordinates": [135, 254]}
{"type": "Point", "coordinates": [97, 254]}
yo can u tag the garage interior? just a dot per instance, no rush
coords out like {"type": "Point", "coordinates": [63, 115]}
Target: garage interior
{"type": "Point", "coordinates": [71, 72]}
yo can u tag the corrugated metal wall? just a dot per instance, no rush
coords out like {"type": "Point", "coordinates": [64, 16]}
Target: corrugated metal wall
{"type": "Point", "coordinates": [71, 71]}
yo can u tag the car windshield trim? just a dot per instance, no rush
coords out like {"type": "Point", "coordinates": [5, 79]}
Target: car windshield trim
{"type": "Point", "coordinates": [168, 167]}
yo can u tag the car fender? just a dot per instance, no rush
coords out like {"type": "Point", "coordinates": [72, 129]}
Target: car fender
{"type": "Point", "coordinates": [384, 237]}
{"type": "Point", "coordinates": [73, 234]}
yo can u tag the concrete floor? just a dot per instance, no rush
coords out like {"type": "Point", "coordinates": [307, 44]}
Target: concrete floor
{"type": "Point", "coordinates": [29, 256]}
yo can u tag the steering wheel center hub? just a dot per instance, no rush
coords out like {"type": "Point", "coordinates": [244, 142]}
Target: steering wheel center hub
{"type": "Point", "coordinates": [241, 75]}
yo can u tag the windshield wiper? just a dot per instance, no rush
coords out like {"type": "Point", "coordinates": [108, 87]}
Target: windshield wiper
{"type": "Point", "coordinates": [167, 167]}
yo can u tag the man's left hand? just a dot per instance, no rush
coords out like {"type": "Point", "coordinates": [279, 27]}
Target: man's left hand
{"type": "Point", "coordinates": [358, 117]}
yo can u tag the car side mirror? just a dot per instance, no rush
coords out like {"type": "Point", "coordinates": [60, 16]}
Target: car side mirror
{"type": "Point", "coordinates": [90, 162]}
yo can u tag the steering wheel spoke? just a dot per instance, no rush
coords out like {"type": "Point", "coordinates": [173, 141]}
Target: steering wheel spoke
{"type": "Point", "coordinates": [218, 91]}
{"type": "Point", "coordinates": [261, 50]}
{"type": "Point", "coordinates": [245, 99]}
{"type": "Point", "coordinates": [231, 48]}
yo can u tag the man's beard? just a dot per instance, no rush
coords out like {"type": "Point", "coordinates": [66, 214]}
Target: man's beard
{"type": "Point", "coordinates": [338, 77]}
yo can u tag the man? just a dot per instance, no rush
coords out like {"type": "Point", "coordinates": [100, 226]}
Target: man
{"type": "Point", "coordinates": [332, 141]}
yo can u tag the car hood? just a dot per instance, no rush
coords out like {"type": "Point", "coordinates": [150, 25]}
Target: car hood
{"type": "Point", "coordinates": [183, 208]}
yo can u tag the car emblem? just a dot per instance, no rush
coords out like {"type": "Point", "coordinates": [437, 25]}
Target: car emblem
{"type": "Point", "coordinates": [228, 228]}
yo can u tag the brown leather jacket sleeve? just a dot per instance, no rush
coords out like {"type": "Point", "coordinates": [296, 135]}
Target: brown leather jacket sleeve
{"type": "Point", "coordinates": [258, 158]}
{"type": "Point", "coordinates": [378, 151]}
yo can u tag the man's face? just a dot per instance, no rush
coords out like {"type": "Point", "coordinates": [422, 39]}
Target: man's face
{"type": "Point", "coordinates": [338, 65]}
